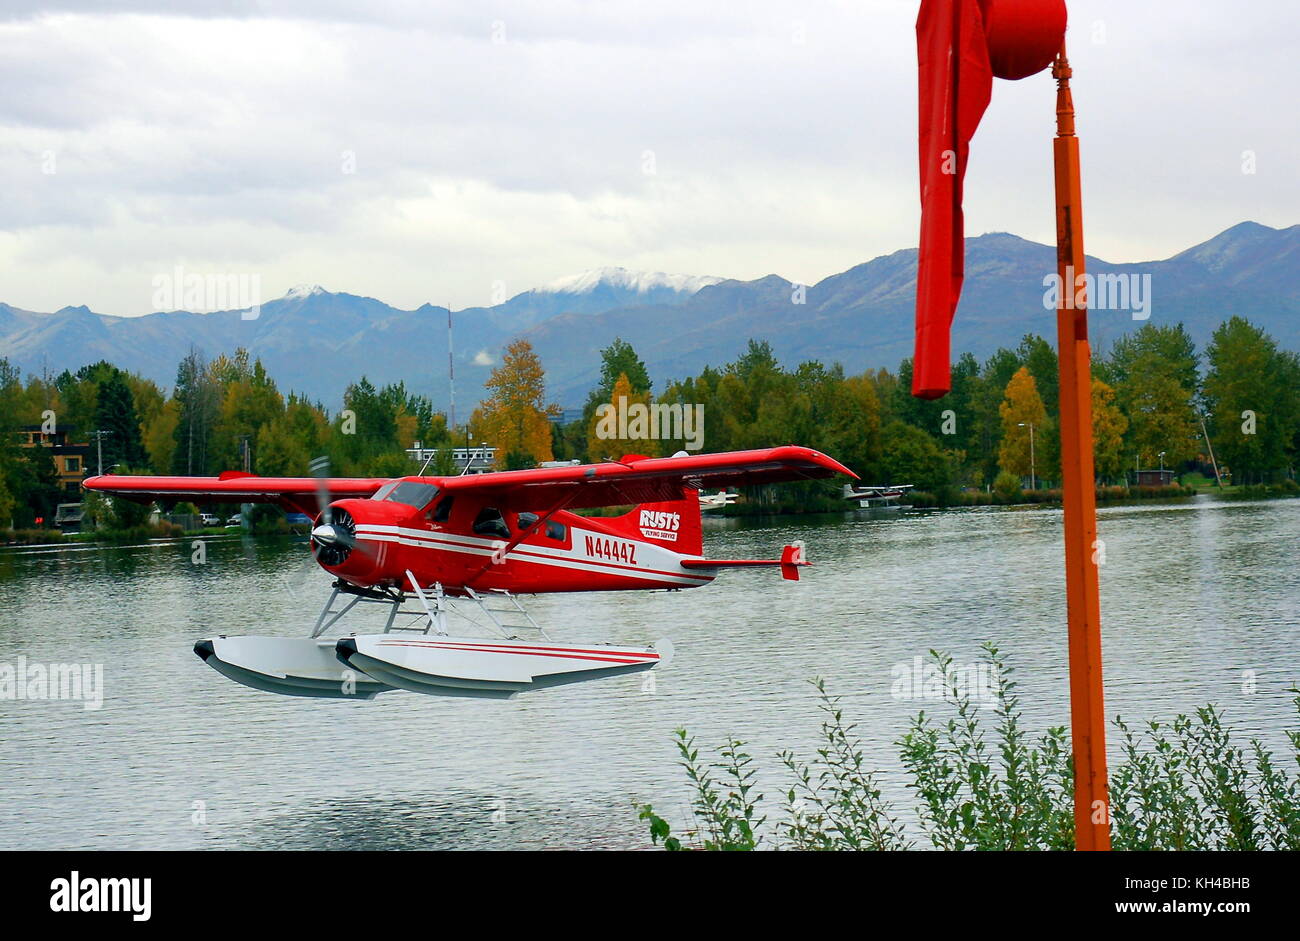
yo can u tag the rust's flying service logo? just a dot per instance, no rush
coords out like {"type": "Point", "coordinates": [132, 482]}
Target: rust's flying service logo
{"type": "Point", "coordinates": [658, 524]}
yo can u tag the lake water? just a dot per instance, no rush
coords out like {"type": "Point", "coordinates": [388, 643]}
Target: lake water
{"type": "Point", "coordinates": [1200, 603]}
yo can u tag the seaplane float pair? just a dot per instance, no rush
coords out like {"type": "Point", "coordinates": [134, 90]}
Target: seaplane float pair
{"type": "Point", "coordinates": [878, 498]}
{"type": "Point", "coordinates": [432, 548]}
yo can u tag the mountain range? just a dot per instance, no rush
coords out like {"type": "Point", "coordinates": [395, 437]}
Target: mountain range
{"type": "Point", "coordinates": [316, 341]}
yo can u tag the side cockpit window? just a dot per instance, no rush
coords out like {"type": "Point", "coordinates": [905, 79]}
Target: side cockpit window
{"type": "Point", "coordinates": [556, 531]}
{"type": "Point", "coordinates": [489, 522]}
{"type": "Point", "coordinates": [442, 512]}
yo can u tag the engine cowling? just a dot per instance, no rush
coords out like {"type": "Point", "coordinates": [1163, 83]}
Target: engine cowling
{"type": "Point", "coordinates": [344, 544]}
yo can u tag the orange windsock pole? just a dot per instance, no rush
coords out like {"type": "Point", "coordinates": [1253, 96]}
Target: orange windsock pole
{"type": "Point", "coordinates": [1087, 711]}
{"type": "Point", "coordinates": [962, 45]}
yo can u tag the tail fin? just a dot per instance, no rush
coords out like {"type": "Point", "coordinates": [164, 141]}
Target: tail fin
{"type": "Point", "coordinates": [791, 558]}
{"type": "Point", "coordinates": [674, 524]}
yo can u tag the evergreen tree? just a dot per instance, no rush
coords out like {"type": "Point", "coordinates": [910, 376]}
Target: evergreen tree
{"type": "Point", "coordinates": [1252, 391]}
{"type": "Point", "coordinates": [115, 414]}
{"type": "Point", "coordinates": [1154, 374]}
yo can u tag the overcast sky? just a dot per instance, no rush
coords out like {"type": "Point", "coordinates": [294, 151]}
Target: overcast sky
{"type": "Point", "coordinates": [415, 154]}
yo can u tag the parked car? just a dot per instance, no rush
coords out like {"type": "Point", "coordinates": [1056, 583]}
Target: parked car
{"type": "Point", "coordinates": [236, 520]}
{"type": "Point", "coordinates": [209, 519]}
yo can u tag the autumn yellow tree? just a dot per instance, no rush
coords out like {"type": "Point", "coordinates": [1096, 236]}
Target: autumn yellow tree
{"type": "Point", "coordinates": [1108, 427]}
{"type": "Point", "coordinates": [160, 435]}
{"type": "Point", "coordinates": [515, 419]}
{"type": "Point", "coordinates": [1021, 408]}
{"type": "Point", "coordinates": [622, 425]}
{"type": "Point", "coordinates": [150, 402]}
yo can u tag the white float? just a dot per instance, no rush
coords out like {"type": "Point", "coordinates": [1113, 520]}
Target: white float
{"type": "Point", "coordinates": [489, 668]}
{"type": "Point", "coordinates": [293, 666]}
{"type": "Point", "coordinates": [421, 656]}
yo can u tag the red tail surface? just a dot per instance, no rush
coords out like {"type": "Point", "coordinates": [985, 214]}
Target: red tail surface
{"type": "Point", "coordinates": [791, 558]}
{"type": "Point", "coordinates": [674, 525]}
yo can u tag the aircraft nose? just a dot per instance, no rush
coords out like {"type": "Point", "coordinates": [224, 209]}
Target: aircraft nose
{"type": "Point", "coordinates": [325, 534]}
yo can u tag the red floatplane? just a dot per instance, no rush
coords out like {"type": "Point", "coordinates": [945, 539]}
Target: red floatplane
{"type": "Point", "coordinates": [430, 547]}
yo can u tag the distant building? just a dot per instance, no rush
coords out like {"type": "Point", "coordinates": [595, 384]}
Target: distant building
{"type": "Point", "coordinates": [68, 517]}
{"type": "Point", "coordinates": [70, 459]}
{"type": "Point", "coordinates": [479, 460]}
{"type": "Point", "coordinates": [1155, 478]}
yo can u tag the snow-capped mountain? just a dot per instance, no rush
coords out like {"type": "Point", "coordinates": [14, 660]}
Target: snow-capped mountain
{"type": "Point", "coordinates": [639, 282]}
{"type": "Point", "coordinates": [299, 291]}
{"type": "Point", "coordinates": [594, 291]}
{"type": "Point", "coordinates": [316, 341]}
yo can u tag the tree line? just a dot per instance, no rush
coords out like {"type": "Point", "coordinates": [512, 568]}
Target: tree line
{"type": "Point", "coordinates": [1155, 398]}
{"type": "Point", "coordinates": [222, 414]}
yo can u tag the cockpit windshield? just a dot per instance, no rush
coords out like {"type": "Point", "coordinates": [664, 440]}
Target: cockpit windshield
{"type": "Point", "coordinates": [411, 492]}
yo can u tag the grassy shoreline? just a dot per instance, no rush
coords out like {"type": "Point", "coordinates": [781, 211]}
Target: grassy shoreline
{"type": "Point", "coordinates": [924, 500]}
{"type": "Point", "coordinates": [53, 537]}
{"type": "Point", "coordinates": [782, 506]}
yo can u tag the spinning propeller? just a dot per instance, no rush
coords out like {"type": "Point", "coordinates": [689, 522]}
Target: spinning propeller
{"type": "Point", "coordinates": [335, 534]}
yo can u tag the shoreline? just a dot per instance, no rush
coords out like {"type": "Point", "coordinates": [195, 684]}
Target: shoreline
{"type": "Point", "coordinates": [921, 501]}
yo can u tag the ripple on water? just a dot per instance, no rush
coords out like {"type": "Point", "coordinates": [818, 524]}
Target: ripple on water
{"type": "Point", "coordinates": [1195, 597]}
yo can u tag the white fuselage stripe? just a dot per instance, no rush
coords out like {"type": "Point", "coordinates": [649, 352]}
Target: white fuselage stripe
{"type": "Point", "coordinates": [537, 555]}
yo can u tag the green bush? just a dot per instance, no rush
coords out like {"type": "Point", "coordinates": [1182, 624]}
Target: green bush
{"type": "Point", "coordinates": [1181, 786]}
{"type": "Point", "coordinates": [1007, 487]}
{"type": "Point", "coordinates": [31, 537]}
{"type": "Point", "coordinates": [160, 530]}
{"type": "Point", "coordinates": [1287, 488]}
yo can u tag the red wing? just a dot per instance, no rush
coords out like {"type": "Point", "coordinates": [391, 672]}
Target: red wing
{"type": "Point", "coordinates": [645, 480]}
{"type": "Point", "coordinates": [292, 493]}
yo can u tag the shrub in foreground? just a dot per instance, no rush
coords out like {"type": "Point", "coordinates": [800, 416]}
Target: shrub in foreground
{"type": "Point", "coordinates": [1181, 786]}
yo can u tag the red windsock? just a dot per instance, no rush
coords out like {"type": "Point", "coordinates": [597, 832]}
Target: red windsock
{"type": "Point", "coordinates": [961, 45]}
{"type": "Point", "coordinates": [956, 81]}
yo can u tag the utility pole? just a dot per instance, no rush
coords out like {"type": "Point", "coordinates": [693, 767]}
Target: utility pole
{"type": "Point", "coordinates": [1208, 445]}
{"type": "Point", "coordinates": [99, 448]}
{"type": "Point", "coordinates": [451, 377]}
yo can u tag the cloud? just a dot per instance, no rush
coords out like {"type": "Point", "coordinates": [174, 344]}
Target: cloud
{"type": "Point", "coordinates": [426, 153]}
{"type": "Point", "coordinates": [484, 358]}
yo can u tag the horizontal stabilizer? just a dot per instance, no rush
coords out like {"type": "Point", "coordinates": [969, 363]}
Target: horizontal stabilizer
{"type": "Point", "coordinates": [792, 558]}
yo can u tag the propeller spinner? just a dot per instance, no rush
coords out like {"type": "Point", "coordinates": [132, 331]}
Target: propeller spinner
{"type": "Point", "coordinates": [335, 533]}
{"type": "Point", "coordinates": [334, 540]}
